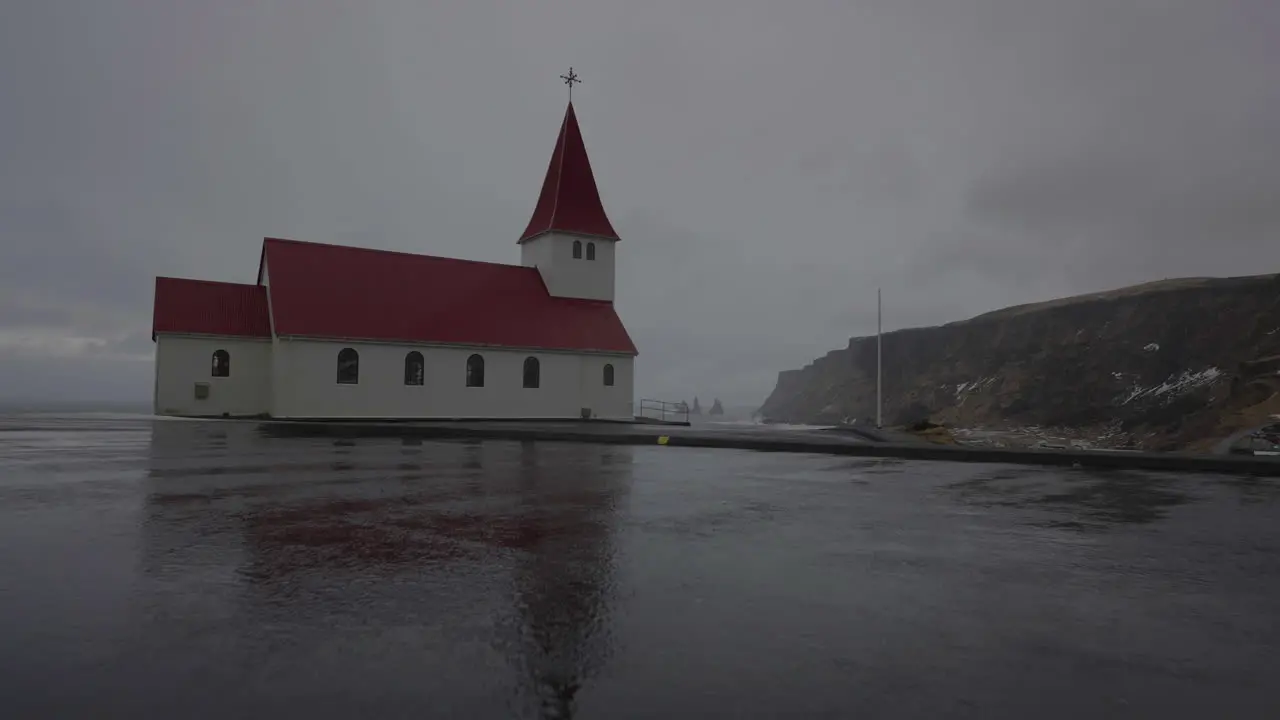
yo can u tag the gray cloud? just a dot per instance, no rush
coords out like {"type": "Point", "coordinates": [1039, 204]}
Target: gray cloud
{"type": "Point", "coordinates": [767, 165]}
{"type": "Point", "coordinates": [20, 312]}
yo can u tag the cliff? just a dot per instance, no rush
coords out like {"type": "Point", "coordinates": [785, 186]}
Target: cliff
{"type": "Point", "coordinates": [1161, 366]}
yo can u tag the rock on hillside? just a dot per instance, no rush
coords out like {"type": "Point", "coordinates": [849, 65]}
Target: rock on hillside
{"type": "Point", "coordinates": [1165, 365]}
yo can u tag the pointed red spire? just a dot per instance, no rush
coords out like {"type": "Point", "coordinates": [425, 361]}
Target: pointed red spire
{"type": "Point", "coordinates": [569, 201]}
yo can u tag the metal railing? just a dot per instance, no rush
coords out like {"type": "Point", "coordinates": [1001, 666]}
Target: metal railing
{"type": "Point", "coordinates": [664, 411]}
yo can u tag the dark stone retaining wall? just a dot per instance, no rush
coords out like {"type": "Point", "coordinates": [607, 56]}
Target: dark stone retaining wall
{"type": "Point", "coordinates": [623, 434]}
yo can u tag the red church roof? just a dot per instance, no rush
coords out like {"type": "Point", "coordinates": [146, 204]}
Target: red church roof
{"type": "Point", "coordinates": [201, 307]}
{"type": "Point", "coordinates": [335, 292]}
{"type": "Point", "coordinates": [339, 292]}
{"type": "Point", "coordinates": [570, 201]}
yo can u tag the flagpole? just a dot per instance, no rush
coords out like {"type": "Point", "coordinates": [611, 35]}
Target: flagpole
{"type": "Point", "coordinates": [879, 328]}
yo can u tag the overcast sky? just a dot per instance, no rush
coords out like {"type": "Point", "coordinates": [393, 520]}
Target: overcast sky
{"type": "Point", "coordinates": [767, 164]}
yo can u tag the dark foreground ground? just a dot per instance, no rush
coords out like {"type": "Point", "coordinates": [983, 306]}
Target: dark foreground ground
{"type": "Point", "coordinates": [188, 569]}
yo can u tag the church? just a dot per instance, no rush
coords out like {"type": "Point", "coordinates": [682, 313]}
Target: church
{"type": "Point", "coordinates": [338, 332]}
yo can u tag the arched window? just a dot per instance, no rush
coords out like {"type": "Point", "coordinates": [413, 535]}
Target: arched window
{"type": "Point", "coordinates": [532, 372]}
{"type": "Point", "coordinates": [591, 251]}
{"type": "Point", "coordinates": [221, 363]}
{"type": "Point", "coordinates": [475, 371]}
{"type": "Point", "coordinates": [348, 367]}
{"type": "Point", "coordinates": [608, 374]}
{"type": "Point", "coordinates": [413, 368]}
{"type": "Point", "coordinates": [577, 249]}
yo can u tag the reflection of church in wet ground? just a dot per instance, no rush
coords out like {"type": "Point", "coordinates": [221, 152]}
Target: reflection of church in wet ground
{"type": "Point", "coordinates": [501, 545]}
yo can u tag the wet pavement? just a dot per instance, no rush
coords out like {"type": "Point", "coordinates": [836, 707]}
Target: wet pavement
{"type": "Point", "coordinates": [206, 569]}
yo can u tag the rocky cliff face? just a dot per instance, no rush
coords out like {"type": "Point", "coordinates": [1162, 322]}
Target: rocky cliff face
{"type": "Point", "coordinates": [1166, 365]}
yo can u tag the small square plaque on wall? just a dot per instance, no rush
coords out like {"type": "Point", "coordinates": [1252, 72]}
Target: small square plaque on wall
{"type": "Point", "coordinates": [202, 391]}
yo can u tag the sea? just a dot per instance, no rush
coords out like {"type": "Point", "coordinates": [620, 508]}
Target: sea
{"type": "Point", "coordinates": [207, 569]}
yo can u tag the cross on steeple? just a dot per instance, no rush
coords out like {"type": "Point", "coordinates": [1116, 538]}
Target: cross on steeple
{"type": "Point", "coordinates": [569, 80]}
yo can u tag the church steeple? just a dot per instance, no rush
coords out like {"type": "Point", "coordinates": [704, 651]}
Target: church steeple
{"type": "Point", "coordinates": [569, 202]}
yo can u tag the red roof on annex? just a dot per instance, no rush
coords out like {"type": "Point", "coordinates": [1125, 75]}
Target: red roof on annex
{"type": "Point", "coordinates": [339, 292]}
{"type": "Point", "coordinates": [203, 307]}
{"type": "Point", "coordinates": [569, 201]}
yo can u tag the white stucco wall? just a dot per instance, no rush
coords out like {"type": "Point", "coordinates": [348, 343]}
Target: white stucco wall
{"type": "Point", "coordinates": [183, 361]}
{"type": "Point", "coordinates": [566, 276]}
{"type": "Point", "coordinates": [306, 384]}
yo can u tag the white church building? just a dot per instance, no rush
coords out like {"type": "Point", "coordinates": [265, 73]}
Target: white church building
{"type": "Point", "coordinates": [335, 332]}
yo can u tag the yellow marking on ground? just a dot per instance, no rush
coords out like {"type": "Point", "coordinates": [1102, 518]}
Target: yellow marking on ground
{"type": "Point", "coordinates": [662, 439]}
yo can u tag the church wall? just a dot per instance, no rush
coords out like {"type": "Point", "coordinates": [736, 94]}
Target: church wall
{"type": "Point", "coordinates": [183, 361]}
{"type": "Point", "coordinates": [306, 384]}
{"type": "Point", "coordinates": [567, 276]}
{"type": "Point", "coordinates": [279, 375]}
{"type": "Point", "coordinates": [610, 402]}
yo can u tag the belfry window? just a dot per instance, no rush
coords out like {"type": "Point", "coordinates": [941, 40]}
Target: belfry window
{"type": "Point", "coordinates": [577, 249]}
{"type": "Point", "coordinates": [591, 251]}
{"type": "Point", "coordinates": [221, 363]}
{"type": "Point", "coordinates": [608, 375]}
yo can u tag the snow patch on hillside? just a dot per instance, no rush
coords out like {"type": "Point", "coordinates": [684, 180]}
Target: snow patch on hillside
{"type": "Point", "coordinates": [1174, 385]}
{"type": "Point", "coordinates": [968, 387]}
{"type": "Point", "coordinates": [964, 388]}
